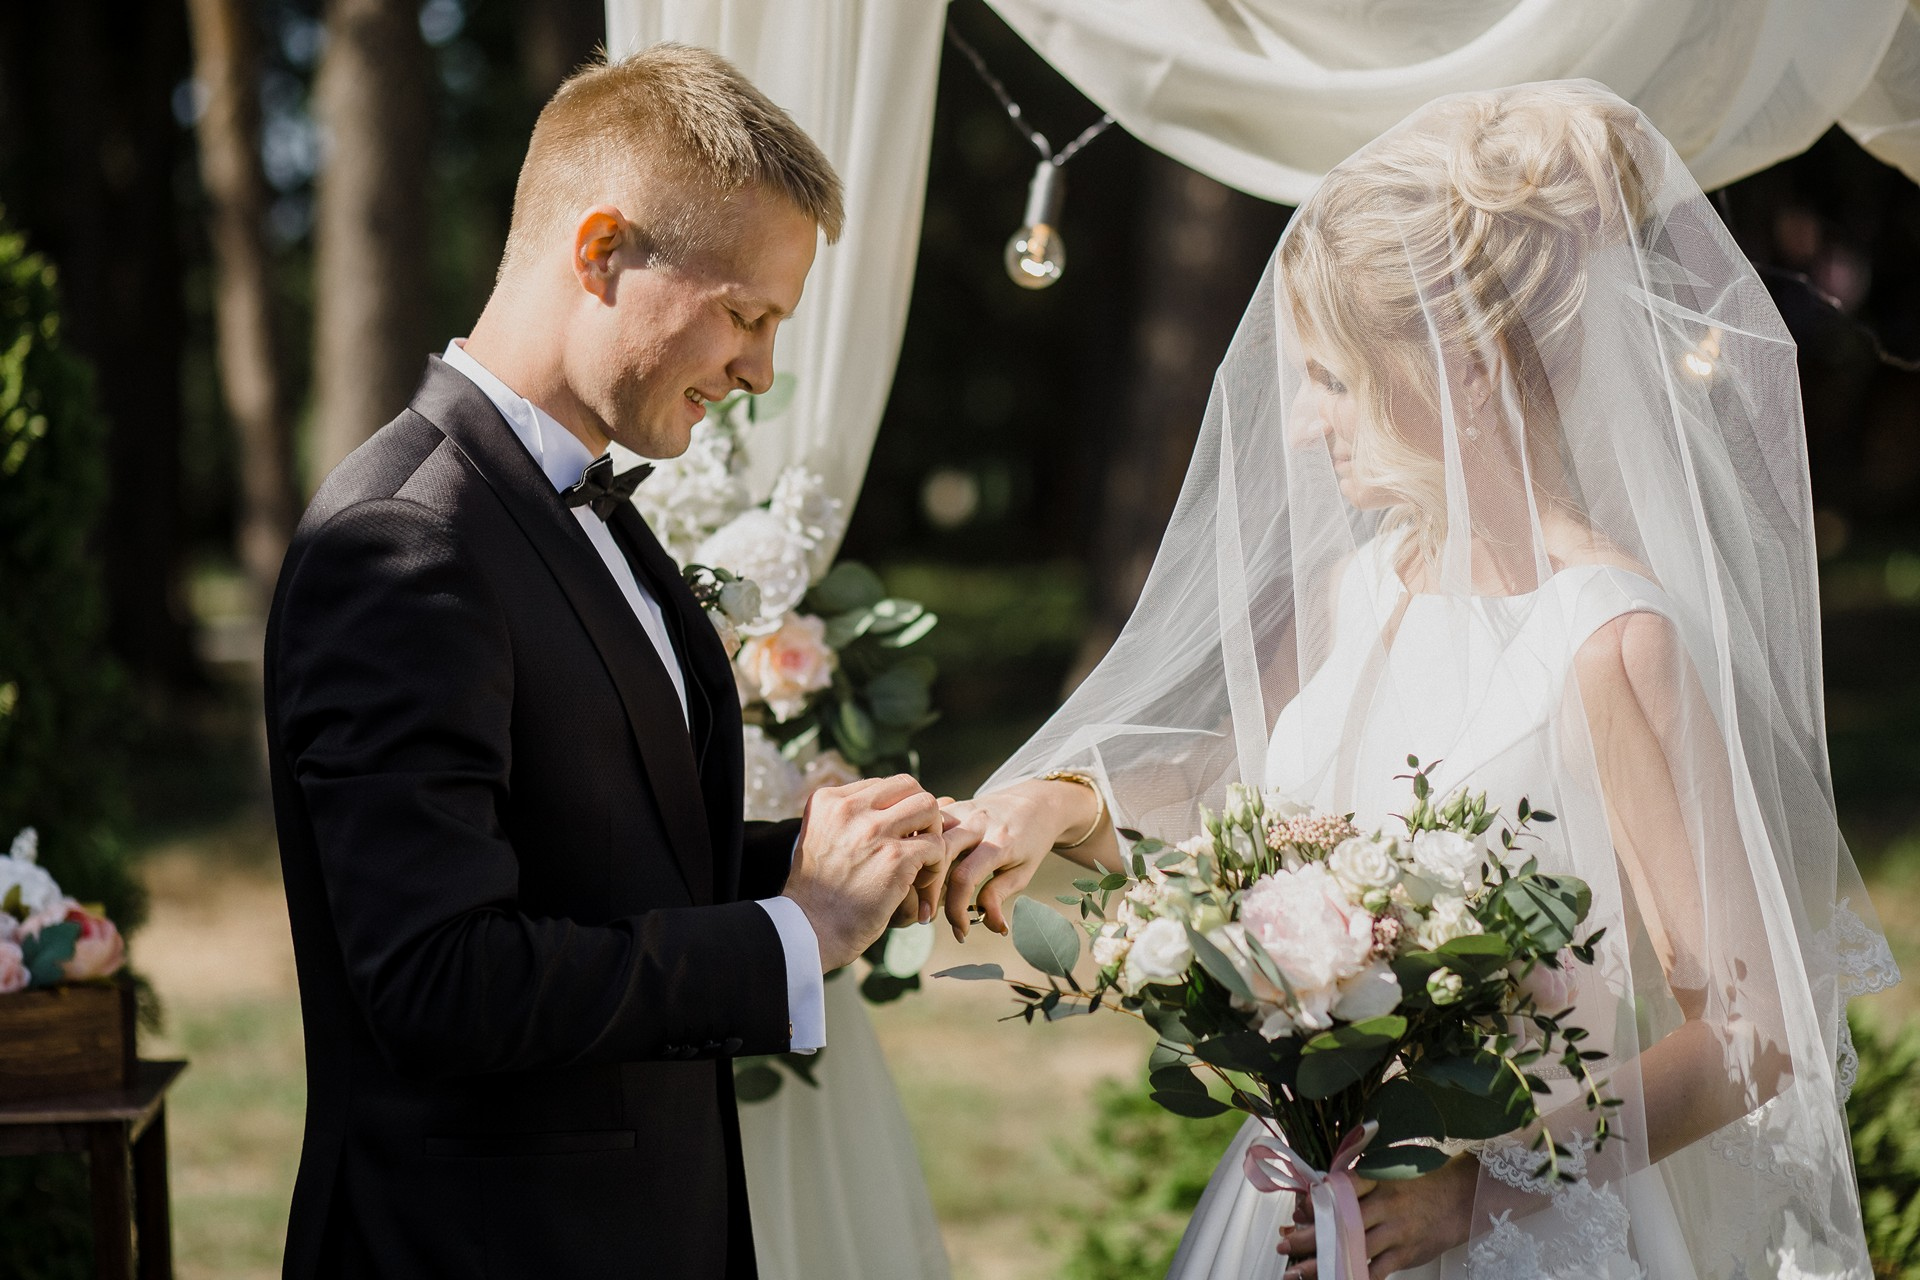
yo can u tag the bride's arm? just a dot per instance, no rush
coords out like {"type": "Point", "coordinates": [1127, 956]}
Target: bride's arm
{"type": "Point", "coordinates": [1662, 765]}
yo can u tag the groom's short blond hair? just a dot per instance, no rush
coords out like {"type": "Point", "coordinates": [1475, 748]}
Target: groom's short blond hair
{"type": "Point", "coordinates": [667, 134]}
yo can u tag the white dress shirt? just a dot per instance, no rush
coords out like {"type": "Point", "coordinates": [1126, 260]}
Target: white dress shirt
{"type": "Point", "coordinates": [562, 458]}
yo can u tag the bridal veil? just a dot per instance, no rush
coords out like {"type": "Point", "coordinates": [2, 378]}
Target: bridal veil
{"type": "Point", "coordinates": [1505, 348]}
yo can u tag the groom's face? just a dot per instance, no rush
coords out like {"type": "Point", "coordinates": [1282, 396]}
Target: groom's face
{"type": "Point", "coordinates": [678, 335]}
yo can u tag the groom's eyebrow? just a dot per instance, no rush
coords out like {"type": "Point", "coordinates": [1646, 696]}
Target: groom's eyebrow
{"type": "Point", "coordinates": [754, 302]}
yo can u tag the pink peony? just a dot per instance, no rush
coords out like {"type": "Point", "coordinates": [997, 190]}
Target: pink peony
{"type": "Point", "coordinates": [1310, 927]}
{"type": "Point", "coordinates": [783, 668]}
{"type": "Point", "coordinates": [13, 969]}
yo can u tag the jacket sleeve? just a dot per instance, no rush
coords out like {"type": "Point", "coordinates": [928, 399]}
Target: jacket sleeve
{"type": "Point", "coordinates": [767, 856]}
{"type": "Point", "coordinates": [393, 689]}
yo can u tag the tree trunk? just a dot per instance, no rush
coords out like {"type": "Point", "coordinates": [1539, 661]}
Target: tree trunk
{"type": "Point", "coordinates": [372, 236]}
{"type": "Point", "coordinates": [248, 340]}
{"type": "Point", "coordinates": [1202, 248]}
{"type": "Point", "coordinates": [94, 146]}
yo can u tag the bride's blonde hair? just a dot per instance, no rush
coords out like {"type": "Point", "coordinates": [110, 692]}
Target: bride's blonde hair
{"type": "Point", "coordinates": [1464, 237]}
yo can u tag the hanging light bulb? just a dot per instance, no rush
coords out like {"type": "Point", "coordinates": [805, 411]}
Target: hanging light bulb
{"type": "Point", "coordinates": [1704, 358]}
{"type": "Point", "coordinates": [1035, 254]}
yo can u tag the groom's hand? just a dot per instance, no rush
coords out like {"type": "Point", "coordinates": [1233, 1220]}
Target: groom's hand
{"type": "Point", "coordinates": [863, 848]}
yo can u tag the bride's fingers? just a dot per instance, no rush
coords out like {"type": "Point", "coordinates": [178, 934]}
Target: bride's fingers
{"type": "Point", "coordinates": [964, 878]}
{"type": "Point", "coordinates": [1007, 882]}
{"type": "Point", "coordinates": [1300, 1243]}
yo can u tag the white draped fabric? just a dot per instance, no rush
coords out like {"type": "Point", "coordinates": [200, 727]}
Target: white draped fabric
{"type": "Point", "coordinates": [859, 76]}
{"type": "Point", "coordinates": [1267, 95]}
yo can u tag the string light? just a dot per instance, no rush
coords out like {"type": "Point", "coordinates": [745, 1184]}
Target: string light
{"type": "Point", "coordinates": [1704, 358]}
{"type": "Point", "coordinates": [1036, 255]}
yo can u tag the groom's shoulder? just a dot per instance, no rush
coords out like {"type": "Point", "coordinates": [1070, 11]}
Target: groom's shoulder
{"type": "Point", "coordinates": [393, 459]}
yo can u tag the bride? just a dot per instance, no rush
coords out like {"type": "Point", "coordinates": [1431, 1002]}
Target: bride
{"type": "Point", "coordinates": [1505, 469]}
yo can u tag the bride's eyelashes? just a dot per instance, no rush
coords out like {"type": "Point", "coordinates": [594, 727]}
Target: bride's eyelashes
{"type": "Point", "coordinates": [1324, 379]}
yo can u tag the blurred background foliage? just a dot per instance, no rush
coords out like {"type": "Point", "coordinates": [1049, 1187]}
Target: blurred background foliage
{"type": "Point", "coordinates": [153, 153]}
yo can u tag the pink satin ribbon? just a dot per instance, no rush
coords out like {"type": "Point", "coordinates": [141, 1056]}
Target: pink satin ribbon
{"type": "Point", "coordinates": [1340, 1236]}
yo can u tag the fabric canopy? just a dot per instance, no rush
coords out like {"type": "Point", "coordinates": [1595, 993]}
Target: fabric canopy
{"type": "Point", "coordinates": [1263, 95]}
{"type": "Point", "coordinates": [1267, 95]}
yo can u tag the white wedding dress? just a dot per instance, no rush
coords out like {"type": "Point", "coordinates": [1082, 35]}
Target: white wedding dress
{"type": "Point", "coordinates": [1492, 732]}
{"type": "Point", "coordinates": [833, 1175]}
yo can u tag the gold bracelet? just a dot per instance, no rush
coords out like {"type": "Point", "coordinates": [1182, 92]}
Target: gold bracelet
{"type": "Point", "coordinates": [1100, 816]}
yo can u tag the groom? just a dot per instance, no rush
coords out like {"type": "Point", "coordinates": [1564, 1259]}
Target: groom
{"type": "Point", "coordinates": [530, 925]}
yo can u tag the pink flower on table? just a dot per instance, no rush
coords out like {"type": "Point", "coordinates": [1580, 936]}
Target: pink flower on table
{"type": "Point", "coordinates": [100, 950]}
{"type": "Point", "coordinates": [13, 968]}
{"type": "Point", "coordinates": [781, 669]}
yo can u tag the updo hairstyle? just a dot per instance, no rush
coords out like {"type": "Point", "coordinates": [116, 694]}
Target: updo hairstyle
{"type": "Point", "coordinates": [1465, 236]}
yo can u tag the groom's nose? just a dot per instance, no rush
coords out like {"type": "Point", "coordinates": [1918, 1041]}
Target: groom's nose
{"type": "Point", "coordinates": [752, 369]}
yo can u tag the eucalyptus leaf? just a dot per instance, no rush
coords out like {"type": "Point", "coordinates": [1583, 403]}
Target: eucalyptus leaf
{"type": "Point", "coordinates": [1192, 1106]}
{"type": "Point", "coordinates": [974, 973]}
{"type": "Point", "coordinates": [913, 632]}
{"type": "Point", "coordinates": [899, 695]}
{"type": "Point", "coordinates": [1215, 962]}
{"type": "Point", "coordinates": [908, 950]}
{"type": "Point", "coordinates": [1175, 1079]}
{"type": "Point", "coordinates": [1404, 1111]}
{"type": "Point", "coordinates": [849, 585]}
{"type": "Point", "coordinates": [1250, 1052]}
{"type": "Point", "coordinates": [1044, 938]}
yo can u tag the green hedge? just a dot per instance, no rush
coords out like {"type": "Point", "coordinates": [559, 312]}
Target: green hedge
{"type": "Point", "coordinates": [62, 703]}
{"type": "Point", "coordinates": [1147, 1168]}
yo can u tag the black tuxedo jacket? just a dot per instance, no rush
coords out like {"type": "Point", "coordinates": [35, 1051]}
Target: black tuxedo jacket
{"type": "Point", "coordinates": [521, 890]}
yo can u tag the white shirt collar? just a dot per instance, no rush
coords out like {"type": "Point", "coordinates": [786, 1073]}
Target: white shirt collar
{"type": "Point", "coordinates": [558, 453]}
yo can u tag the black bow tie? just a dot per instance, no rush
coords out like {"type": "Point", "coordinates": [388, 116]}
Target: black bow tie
{"type": "Point", "coordinates": [602, 490]}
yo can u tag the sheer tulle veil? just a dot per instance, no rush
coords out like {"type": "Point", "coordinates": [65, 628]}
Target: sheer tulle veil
{"type": "Point", "coordinates": [1509, 394]}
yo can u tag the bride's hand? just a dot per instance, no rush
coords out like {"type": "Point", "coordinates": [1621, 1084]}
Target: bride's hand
{"type": "Point", "coordinates": [1408, 1223]}
{"type": "Point", "coordinates": [1011, 832]}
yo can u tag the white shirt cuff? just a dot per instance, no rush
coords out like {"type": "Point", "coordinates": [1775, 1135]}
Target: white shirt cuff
{"type": "Point", "coordinates": [806, 989]}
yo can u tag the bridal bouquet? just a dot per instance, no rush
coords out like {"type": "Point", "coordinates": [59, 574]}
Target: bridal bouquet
{"type": "Point", "coordinates": [828, 690]}
{"type": "Point", "coordinates": [47, 938]}
{"type": "Point", "coordinates": [1363, 994]}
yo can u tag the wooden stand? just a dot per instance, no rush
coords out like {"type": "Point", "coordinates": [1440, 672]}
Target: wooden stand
{"type": "Point", "coordinates": [74, 1038]}
{"type": "Point", "coordinates": [123, 1134]}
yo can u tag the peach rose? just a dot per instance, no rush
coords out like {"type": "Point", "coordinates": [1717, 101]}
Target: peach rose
{"type": "Point", "coordinates": [100, 950]}
{"type": "Point", "coordinates": [781, 669]}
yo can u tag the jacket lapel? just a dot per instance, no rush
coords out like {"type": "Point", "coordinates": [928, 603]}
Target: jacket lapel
{"type": "Point", "coordinates": [467, 418]}
{"type": "Point", "coordinates": [710, 687]}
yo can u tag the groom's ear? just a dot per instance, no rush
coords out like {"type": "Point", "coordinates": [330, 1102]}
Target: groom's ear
{"type": "Point", "coordinates": [598, 240]}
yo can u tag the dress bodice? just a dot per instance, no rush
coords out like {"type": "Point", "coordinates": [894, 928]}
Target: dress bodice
{"type": "Point", "coordinates": [1479, 683]}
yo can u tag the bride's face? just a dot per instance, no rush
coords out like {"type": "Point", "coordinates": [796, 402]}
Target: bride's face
{"type": "Point", "coordinates": [1326, 414]}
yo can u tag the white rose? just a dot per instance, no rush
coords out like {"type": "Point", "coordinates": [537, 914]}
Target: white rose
{"type": "Point", "coordinates": [1448, 918]}
{"type": "Point", "coordinates": [1449, 859]}
{"type": "Point", "coordinates": [783, 668]}
{"type": "Point", "coordinates": [1111, 947]}
{"type": "Point", "coordinates": [759, 545]}
{"type": "Point", "coordinates": [739, 600]}
{"type": "Point", "coordinates": [829, 769]}
{"type": "Point", "coordinates": [773, 783]}
{"type": "Point", "coordinates": [1161, 953]}
{"type": "Point", "coordinates": [1371, 993]}
{"type": "Point", "coordinates": [39, 892]}
{"type": "Point", "coordinates": [1364, 862]}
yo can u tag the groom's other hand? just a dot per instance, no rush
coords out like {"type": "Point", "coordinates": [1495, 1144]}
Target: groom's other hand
{"type": "Point", "coordinates": [863, 849]}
